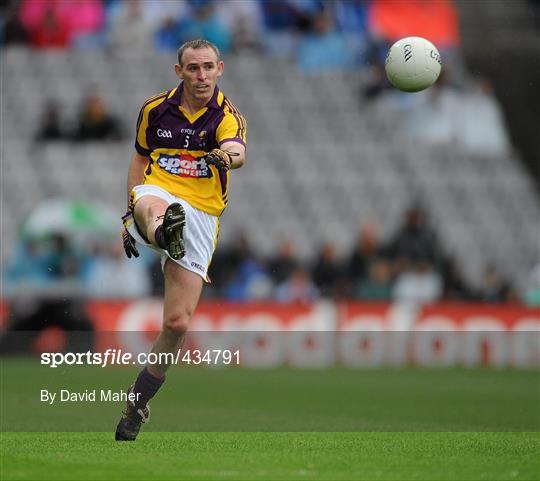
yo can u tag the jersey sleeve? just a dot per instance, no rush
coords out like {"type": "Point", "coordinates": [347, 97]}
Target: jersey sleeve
{"type": "Point", "coordinates": [232, 127]}
{"type": "Point", "coordinates": [141, 144]}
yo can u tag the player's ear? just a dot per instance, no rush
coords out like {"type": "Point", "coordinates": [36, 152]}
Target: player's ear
{"type": "Point", "coordinates": [178, 71]}
{"type": "Point", "coordinates": [220, 67]}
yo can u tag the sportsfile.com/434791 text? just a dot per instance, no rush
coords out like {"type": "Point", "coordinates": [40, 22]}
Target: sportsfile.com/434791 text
{"type": "Point", "coordinates": [118, 357]}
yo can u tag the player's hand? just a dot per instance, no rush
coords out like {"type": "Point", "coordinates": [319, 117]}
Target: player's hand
{"type": "Point", "coordinates": [219, 158]}
{"type": "Point", "coordinates": [129, 244]}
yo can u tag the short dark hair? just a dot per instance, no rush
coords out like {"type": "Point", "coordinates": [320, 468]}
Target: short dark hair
{"type": "Point", "coordinates": [196, 44]}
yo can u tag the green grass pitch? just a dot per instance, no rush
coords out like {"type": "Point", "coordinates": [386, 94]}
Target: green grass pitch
{"type": "Point", "coordinates": [459, 424]}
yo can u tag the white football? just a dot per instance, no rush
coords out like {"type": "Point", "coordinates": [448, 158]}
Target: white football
{"type": "Point", "coordinates": [413, 64]}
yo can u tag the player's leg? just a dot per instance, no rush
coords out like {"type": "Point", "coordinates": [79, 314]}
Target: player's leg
{"type": "Point", "coordinates": [148, 213]}
{"type": "Point", "coordinates": [161, 223]}
{"type": "Point", "coordinates": [182, 291]}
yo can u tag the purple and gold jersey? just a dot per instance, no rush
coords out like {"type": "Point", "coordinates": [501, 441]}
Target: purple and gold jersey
{"type": "Point", "coordinates": [174, 141]}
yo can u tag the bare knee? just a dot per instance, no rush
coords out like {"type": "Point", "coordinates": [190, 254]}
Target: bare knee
{"type": "Point", "coordinates": [148, 209]}
{"type": "Point", "coordinates": [178, 322]}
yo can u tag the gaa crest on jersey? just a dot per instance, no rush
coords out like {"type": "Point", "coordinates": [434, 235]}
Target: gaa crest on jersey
{"type": "Point", "coordinates": [184, 165]}
{"type": "Point", "coordinates": [202, 139]}
{"type": "Point", "coordinates": [164, 133]}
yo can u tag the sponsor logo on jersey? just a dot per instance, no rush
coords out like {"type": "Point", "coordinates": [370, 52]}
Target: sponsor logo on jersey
{"type": "Point", "coordinates": [184, 165]}
{"type": "Point", "coordinates": [164, 133]}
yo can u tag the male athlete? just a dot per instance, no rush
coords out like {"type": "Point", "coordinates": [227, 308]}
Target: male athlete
{"type": "Point", "coordinates": [187, 140]}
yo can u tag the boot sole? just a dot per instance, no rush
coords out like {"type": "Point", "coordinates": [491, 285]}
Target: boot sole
{"type": "Point", "coordinates": [173, 229]}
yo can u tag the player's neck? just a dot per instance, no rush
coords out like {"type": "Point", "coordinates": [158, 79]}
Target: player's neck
{"type": "Point", "coordinates": [193, 105]}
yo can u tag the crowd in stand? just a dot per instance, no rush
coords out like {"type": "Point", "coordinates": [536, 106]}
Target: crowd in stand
{"type": "Point", "coordinates": [411, 266]}
{"type": "Point", "coordinates": [94, 122]}
{"type": "Point", "coordinates": [319, 35]}
{"type": "Point", "coordinates": [322, 34]}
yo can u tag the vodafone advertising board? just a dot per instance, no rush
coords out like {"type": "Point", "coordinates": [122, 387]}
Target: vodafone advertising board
{"type": "Point", "coordinates": [357, 335]}
{"type": "Point", "coordinates": [324, 334]}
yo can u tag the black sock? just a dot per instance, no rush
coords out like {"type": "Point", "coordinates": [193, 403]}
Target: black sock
{"type": "Point", "coordinates": [146, 386]}
{"type": "Point", "coordinates": [160, 240]}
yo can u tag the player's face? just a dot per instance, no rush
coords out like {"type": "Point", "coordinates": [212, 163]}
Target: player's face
{"type": "Point", "coordinates": [200, 70]}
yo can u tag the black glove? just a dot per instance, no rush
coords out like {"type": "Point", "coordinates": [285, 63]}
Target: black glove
{"type": "Point", "coordinates": [129, 244]}
{"type": "Point", "coordinates": [219, 158]}
{"type": "Point", "coordinates": [127, 239]}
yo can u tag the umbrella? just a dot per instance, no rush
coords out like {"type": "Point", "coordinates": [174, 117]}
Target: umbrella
{"type": "Point", "coordinates": [69, 217]}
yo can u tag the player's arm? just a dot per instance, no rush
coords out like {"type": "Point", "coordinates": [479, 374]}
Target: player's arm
{"type": "Point", "coordinates": [141, 157]}
{"type": "Point", "coordinates": [135, 177]}
{"type": "Point", "coordinates": [230, 155]}
{"type": "Point", "coordinates": [136, 172]}
{"type": "Point", "coordinates": [139, 162]}
{"type": "Point", "coordinates": [237, 153]}
{"type": "Point", "coordinates": [231, 137]}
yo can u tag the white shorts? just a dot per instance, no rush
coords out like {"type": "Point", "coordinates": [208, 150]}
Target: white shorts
{"type": "Point", "coordinates": [200, 232]}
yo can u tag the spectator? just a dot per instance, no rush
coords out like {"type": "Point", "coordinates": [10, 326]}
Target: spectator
{"type": "Point", "coordinates": [531, 295]}
{"type": "Point", "coordinates": [284, 15]}
{"type": "Point", "coordinates": [204, 23]}
{"type": "Point", "coordinates": [43, 281]}
{"type": "Point", "coordinates": [283, 264]}
{"type": "Point", "coordinates": [416, 239]}
{"type": "Point", "coordinates": [481, 128]}
{"type": "Point", "coordinates": [455, 287]}
{"type": "Point", "coordinates": [351, 21]}
{"type": "Point", "coordinates": [324, 49]}
{"type": "Point", "coordinates": [377, 286]}
{"type": "Point", "coordinates": [376, 82]}
{"type": "Point", "coordinates": [434, 116]}
{"type": "Point", "coordinates": [28, 265]}
{"type": "Point", "coordinates": [73, 18]}
{"type": "Point", "coordinates": [244, 21]}
{"type": "Point", "coordinates": [250, 283]}
{"type": "Point", "coordinates": [15, 32]}
{"type": "Point", "coordinates": [95, 123]}
{"type": "Point", "coordinates": [167, 36]}
{"type": "Point", "coordinates": [445, 116]}
{"type": "Point", "coordinates": [86, 16]}
{"type": "Point", "coordinates": [52, 32]}
{"type": "Point", "coordinates": [326, 272]}
{"type": "Point", "coordinates": [365, 250]}
{"type": "Point", "coordinates": [227, 261]}
{"type": "Point", "coordinates": [153, 12]}
{"type": "Point", "coordinates": [131, 33]}
{"type": "Point", "coordinates": [62, 260]}
{"type": "Point", "coordinates": [418, 284]}
{"type": "Point", "coordinates": [297, 287]}
{"type": "Point", "coordinates": [351, 16]}
{"type": "Point", "coordinates": [283, 21]}
{"type": "Point", "coordinates": [39, 263]}
{"type": "Point", "coordinates": [247, 278]}
{"type": "Point", "coordinates": [111, 275]}
{"type": "Point", "coordinates": [50, 128]}
{"type": "Point", "coordinates": [495, 288]}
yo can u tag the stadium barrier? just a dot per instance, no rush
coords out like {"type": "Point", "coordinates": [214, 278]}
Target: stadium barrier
{"type": "Point", "coordinates": [323, 334]}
